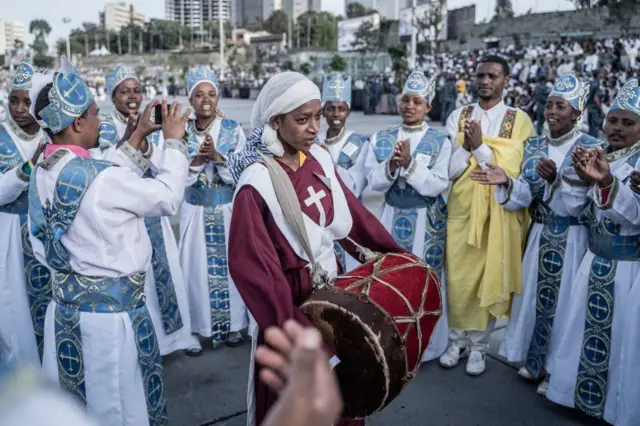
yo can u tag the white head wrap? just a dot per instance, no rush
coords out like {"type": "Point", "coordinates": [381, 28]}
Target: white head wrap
{"type": "Point", "coordinates": [282, 94]}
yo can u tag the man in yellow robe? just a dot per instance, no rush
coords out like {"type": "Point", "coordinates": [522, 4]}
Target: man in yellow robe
{"type": "Point", "coordinates": [484, 241]}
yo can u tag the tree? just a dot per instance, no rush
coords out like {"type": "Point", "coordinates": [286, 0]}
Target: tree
{"type": "Point", "coordinates": [357, 10]}
{"type": "Point", "coordinates": [367, 38]}
{"type": "Point", "coordinates": [18, 44]}
{"type": "Point", "coordinates": [338, 63]}
{"type": "Point", "coordinates": [399, 64]}
{"type": "Point", "coordinates": [430, 22]}
{"type": "Point", "coordinates": [504, 9]}
{"type": "Point", "coordinates": [40, 29]}
{"type": "Point", "coordinates": [277, 23]}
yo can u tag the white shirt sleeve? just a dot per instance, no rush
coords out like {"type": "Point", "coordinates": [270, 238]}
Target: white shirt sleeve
{"type": "Point", "coordinates": [12, 184]}
{"type": "Point", "coordinates": [157, 197]}
{"type": "Point", "coordinates": [483, 154]}
{"type": "Point", "coordinates": [515, 196]}
{"type": "Point", "coordinates": [622, 206]}
{"type": "Point", "coordinates": [378, 174]}
{"type": "Point", "coordinates": [355, 178]}
{"type": "Point", "coordinates": [430, 182]}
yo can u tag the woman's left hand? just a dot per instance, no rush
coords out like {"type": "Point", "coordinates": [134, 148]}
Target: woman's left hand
{"type": "Point", "coordinates": [547, 170]}
{"type": "Point", "coordinates": [402, 153]}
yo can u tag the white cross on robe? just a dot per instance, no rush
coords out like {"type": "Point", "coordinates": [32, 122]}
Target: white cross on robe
{"type": "Point", "coordinates": [315, 198]}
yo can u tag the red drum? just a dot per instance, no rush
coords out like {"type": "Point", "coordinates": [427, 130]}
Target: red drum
{"type": "Point", "coordinates": [378, 319]}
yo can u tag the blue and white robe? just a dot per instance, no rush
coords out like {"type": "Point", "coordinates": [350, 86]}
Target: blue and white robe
{"type": "Point", "coordinates": [556, 245]}
{"type": "Point", "coordinates": [215, 304]}
{"type": "Point", "coordinates": [165, 288]}
{"type": "Point", "coordinates": [596, 365]}
{"type": "Point", "coordinates": [349, 153]}
{"type": "Point", "coordinates": [415, 208]}
{"type": "Point", "coordinates": [86, 223]}
{"type": "Point", "coordinates": [25, 286]}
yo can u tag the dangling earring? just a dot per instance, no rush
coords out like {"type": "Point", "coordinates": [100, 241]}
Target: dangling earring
{"type": "Point", "coordinates": [270, 140]}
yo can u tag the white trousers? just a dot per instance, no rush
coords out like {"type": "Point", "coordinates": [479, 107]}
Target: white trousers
{"type": "Point", "coordinates": [475, 340]}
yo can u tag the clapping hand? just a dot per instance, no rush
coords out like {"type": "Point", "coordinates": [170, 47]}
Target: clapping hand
{"type": "Point", "coordinates": [595, 168]}
{"type": "Point", "coordinates": [142, 127]}
{"type": "Point", "coordinates": [547, 170]}
{"type": "Point", "coordinates": [173, 123]}
{"type": "Point", "coordinates": [493, 175]}
{"type": "Point", "coordinates": [295, 365]}
{"type": "Point", "coordinates": [580, 157]}
{"type": "Point", "coordinates": [208, 151]}
{"type": "Point", "coordinates": [472, 135]}
{"type": "Point", "coordinates": [402, 153]}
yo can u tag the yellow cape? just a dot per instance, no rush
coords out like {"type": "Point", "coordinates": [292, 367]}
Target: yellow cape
{"type": "Point", "coordinates": [484, 241]}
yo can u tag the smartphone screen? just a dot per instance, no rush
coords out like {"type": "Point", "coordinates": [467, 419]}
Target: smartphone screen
{"type": "Point", "coordinates": [157, 114]}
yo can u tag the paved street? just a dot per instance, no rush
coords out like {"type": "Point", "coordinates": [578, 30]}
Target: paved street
{"type": "Point", "coordinates": [211, 390]}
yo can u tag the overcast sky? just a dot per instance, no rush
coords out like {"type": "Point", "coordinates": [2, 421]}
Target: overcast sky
{"type": "Point", "coordinates": [87, 10]}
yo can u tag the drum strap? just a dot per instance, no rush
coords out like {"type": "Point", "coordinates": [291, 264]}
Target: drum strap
{"type": "Point", "coordinates": [288, 200]}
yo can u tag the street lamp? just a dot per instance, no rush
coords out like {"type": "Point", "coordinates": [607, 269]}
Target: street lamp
{"type": "Point", "coordinates": [66, 20]}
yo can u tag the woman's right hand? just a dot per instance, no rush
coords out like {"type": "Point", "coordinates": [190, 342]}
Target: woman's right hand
{"type": "Point", "coordinates": [174, 125]}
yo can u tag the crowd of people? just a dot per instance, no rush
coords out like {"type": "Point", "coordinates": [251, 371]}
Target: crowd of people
{"type": "Point", "coordinates": [537, 226]}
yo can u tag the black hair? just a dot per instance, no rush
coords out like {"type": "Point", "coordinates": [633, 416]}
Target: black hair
{"type": "Point", "coordinates": [495, 59]}
{"type": "Point", "coordinates": [42, 101]}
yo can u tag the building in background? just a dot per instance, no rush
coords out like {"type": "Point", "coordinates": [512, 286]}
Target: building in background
{"type": "Point", "coordinates": [270, 6]}
{"type": "Point", "coordinates": [196, 13]}
{"type": "Point", "coordinates": [295, 8]}
{"type": "Point", "coordinates": [10, 34]}
{"type": "Point", "coordinates": [460, 22]}
{"type": "Point", "coordinates": [118, 15]}
{"type": "Point", "coordinates": [337, 7]}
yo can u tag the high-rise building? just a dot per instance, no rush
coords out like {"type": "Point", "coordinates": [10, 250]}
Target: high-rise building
{"type": "Point", "coordinates": [196, 13]}
{"type": "Point", "coordinates": [252, 13]}
{"type": "Point", "coordinates": [295, 8]}
{"type": "Point", "coordinates": [10, 33]}
{"type": "Point", "coordinates": [118, 15]}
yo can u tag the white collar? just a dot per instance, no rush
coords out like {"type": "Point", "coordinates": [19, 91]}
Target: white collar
{"type": "Point", "coordinates": [495, 112]}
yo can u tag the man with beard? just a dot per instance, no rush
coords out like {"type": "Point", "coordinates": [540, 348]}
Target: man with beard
{"type": "Point", "coordinates": [26, 283]}
{"type": "Point", "coordinates": [484, 241]}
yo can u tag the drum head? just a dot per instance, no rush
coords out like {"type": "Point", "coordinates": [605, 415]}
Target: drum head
{"type": "Point", "coordinates": [372, 361]}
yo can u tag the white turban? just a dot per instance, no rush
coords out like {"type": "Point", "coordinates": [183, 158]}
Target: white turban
{"type": "Point", "coordinates": [282, 94]}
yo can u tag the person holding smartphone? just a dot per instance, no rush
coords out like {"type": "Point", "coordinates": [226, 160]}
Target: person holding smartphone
{"type": "Point", "coordinates": [87, 224]}
{"type": "Point", "coordinates": [165, 288]}
{"type": "Point", "coordinates": [217, 310]}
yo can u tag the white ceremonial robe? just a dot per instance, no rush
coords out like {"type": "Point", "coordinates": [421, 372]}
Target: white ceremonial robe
{"type": "Point", "coordinates": [179, 339]}
{"type": "Point", "coordinates": [428, 181]}
{"type": "Point", "coordinates": [622, 388]}
{"type": "Point", "coordinates": [193, 248]}
{"type": "Point", "coordinates": [355, 177]}
{"type": "Point", "coordinates": [16, 325]}
{"type": "Point", "coordinates": [108, 238]}
{"type": "Point", "coordinates": [522, 321]}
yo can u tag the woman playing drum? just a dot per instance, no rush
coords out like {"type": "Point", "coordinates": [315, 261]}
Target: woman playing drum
{"type": "Point", "coordinates": [267, 258]}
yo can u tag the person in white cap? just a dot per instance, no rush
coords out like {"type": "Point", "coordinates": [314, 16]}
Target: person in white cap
{"type": "Point", "coordinates": [274, 265]}
{"type": "Point", "coordinates": [217, 310]}
{"type": "Point", "coordinates": [409, 164]}
{"type": "Point", "coordinates": [165, 287]}
{"type": "Point", "coordinates": [86, 223]}
{"type": "Point", "coordinates": [26, 283]}
{"type": "Point", "coordinates": [347, 148]}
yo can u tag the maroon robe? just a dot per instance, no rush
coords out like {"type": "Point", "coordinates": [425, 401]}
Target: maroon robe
{"type": "Point", "coordinates": [272, 280]}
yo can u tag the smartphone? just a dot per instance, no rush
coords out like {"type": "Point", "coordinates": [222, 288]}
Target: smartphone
{"type": "Point", "coordinates": [157, 114]}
